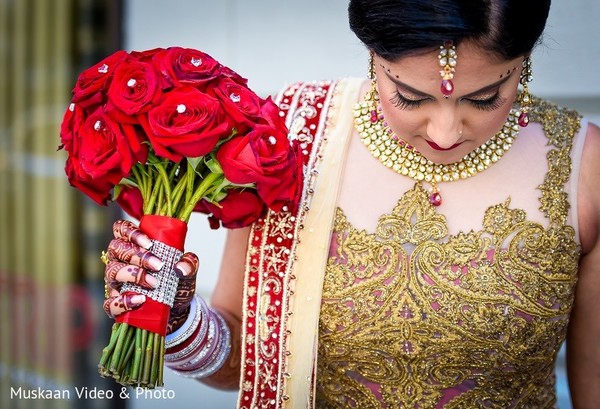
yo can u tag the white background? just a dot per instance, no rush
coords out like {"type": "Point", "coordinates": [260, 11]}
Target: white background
{"type": "Point", "coordinates": [274, 42]}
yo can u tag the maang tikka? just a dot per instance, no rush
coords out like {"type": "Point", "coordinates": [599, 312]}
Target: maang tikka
{"type": "Point", "coordinates": [447, 59]}
{"type": "Point", "coordinates": [524, 97]}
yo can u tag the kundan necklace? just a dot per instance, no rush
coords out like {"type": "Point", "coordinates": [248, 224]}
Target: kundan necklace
{"type": "Point", "coordinates": [396, 154]}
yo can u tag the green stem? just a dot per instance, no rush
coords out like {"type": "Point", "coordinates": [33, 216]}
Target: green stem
{"type": "Point", "coordinates": [130, 346]}
{"type": "Point", "coordinates": [143, 344]}
{"type": "Point", "coordinates": [153, 193]}
{"type": "Point", "coordinates": [200, 192]}
{"type": "Point", "coordinates": [107, 351]}
{"type": "Point", "coordinates": [160, 199]}
{"type": "Point", "coordinates": [155, 359]}
{"type": "Point", "coordinates": [114, 362]}
{"type": "Point", "coordinates": [139, 179]}
{"type": "Point", "coordinates": [166, 185]}
{"type": "Point", "coordinates": [147, 360]}
{"type": "Point", "coordinates": [135, 371]}
{"type": "Point", "coordinates": [190, 179]}
{"type": "Point", "coordinates": [182, 186]}
{"type": "Point", "coordinates": [161, 363]}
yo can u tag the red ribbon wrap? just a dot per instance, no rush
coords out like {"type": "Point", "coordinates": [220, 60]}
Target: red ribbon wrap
{"type": "Point", "coordinates": [153, 315]}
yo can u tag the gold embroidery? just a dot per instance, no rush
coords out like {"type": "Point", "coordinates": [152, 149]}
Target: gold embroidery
{"type": "Point", "coordinates": [413, 317]}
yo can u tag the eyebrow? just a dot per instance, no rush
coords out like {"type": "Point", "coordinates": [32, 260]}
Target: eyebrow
{"type": "Point", "coordinates": [471, 94]}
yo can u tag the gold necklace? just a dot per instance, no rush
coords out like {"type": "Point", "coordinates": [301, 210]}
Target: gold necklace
{"type": "Point", "coordinates": [398, 155]}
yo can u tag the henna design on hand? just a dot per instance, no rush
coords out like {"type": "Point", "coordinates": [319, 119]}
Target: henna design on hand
{"type": "Point", "coordinates": [126, 230]}
{"type": "Point", "coordinates": [133, 254]}
{"type": "Point", "coordinates": [118, 273]}
{"type": "Point", "coordinates": [117, 305]}
{"type": "Point", "coordinates": [185, 290]}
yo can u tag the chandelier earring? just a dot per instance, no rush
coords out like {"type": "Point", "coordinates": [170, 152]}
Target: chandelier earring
{"type": "Point", "coordinates": [524, 97]}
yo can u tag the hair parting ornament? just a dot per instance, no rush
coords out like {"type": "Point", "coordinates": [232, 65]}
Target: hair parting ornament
{"type": "Point", "coordinates": [447, 59]}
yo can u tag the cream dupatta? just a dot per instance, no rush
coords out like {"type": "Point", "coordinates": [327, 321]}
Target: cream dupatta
{"type": "Point", "coordinates": [287, 254]}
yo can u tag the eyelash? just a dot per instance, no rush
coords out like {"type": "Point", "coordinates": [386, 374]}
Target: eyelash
{"type": "Point", "coordinates": [404, 103]}
{"type": "Point", "coordinates": [488, 104]}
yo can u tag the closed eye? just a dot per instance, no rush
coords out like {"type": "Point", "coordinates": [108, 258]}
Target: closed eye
{"type": "Point", "coordinates": [487, 104]}
{"type": "Point", "coordinates": [403, 102]}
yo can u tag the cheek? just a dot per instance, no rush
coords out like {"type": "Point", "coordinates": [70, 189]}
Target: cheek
{"type": "Point", "coordinates": [404, 122]}
{"type": "Point", "coordinates": [485, 125]}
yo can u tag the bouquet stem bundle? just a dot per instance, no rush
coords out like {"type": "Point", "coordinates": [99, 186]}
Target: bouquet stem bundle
{"type": "Point", "coordinates": [133, 356]}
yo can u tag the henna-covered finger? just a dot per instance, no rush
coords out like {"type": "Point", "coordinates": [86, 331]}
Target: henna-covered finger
{"type": "Point", "coordinates": [187, 266]}
{"type": "Point", "coordinates": [117, 305]}
{"type": "Point", "coordinates": [186, 269]}
{"type": "Point", "coordinates": [131, 253]}
{"type": "Point", "coordinates": [118, 273]}
{"type": "Point", "coordinates": [126, 230]}
{"type": "Point", "coordinates": [185, 292]}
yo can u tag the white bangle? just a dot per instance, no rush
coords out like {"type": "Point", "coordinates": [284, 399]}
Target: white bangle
{"type": "Point", "coordinates": [197, 313]}
{"type": "Point", "coordinates": [215, 362]}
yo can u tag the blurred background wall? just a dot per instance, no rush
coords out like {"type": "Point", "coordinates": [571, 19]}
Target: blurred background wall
{"type": "Point", "coordinates": [51, 323]}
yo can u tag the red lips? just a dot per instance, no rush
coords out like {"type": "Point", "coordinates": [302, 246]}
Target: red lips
{"type": "Point", "coordinates": [439, 148]}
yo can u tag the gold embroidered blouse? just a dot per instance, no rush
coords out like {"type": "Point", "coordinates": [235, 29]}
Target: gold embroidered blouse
{"type": "Point", "coordinates": [413, 317]}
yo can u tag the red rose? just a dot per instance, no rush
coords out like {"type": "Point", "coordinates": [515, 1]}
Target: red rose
{"type": "Point", "coordinates": [108, 150]}
{"type": "Point", "coordinates": [286, 189]}
{"type": "Point", "coordinates": [239, 208]}
{"type": "Point", "coordinates": [263, 156]}
{"type": "Point", "coordinates": [187, 123]}
{"type": "Point", "coordinates": [92, 83]}
{"type": "Point", "coordinates": [133, 90]}
{"type": "Point", "coordinates": [72, 121]}
{"type": "Point", "coordinates": [234, 76]}
{"type": "Point", "coordinates": [97, 189]}
{"type": "Point", "coordinates": [181, 66]}
{"type": "Point", "coordinates": [146, 55]}
{"type": "Point", "coordinates": [130, 200]}
{"type": "Point", "coordinates": [239, 103]}
{"type": "Point", "coordinates": [271, 115]}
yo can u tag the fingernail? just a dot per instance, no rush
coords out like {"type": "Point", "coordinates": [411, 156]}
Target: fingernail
{"type": "Point", "coordinates": [145, 242]}
{"type": "Point", "coordinates": [150, 279]}
{"type": "Point", "coordinates": [155, 263]}
{"type": "Point", "coordinates": [138, 299]}
{"type": "Point", "coordinates": [180, 272]}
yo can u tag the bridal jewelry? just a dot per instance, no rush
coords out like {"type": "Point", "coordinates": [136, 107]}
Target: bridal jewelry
{"type": "Point", "coordinates": [524, 97]}
{"type": "Point", "coordinates": [447, 58]}
{"type": "Point", "coordinates": [396, 154]}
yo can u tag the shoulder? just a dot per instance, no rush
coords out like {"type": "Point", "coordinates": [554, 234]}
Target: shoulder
{"type": "Point", "coordinates": [589, 194]}
{"type": "Point", "coordinates": [560, 124]}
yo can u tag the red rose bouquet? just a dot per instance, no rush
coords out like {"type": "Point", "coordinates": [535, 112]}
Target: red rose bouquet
{"type": "Point", "coordinates": [166, 132]}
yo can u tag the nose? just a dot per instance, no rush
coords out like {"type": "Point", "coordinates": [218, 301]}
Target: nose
{"type": "Point", "coordinates": [444, 128]}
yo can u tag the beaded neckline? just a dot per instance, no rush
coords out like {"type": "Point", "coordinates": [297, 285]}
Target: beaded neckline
{"type": "Point", "coordinates": [399, 156]}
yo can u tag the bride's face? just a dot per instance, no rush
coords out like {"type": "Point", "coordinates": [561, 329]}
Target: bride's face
{"type": "Point", "coordinates": [444, 130]}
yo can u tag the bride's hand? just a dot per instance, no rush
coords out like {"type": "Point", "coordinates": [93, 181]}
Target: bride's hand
{"type": "Point", "coordinates": [130, 260]}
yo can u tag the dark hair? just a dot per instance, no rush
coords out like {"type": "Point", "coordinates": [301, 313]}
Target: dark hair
{"type": "Point", "coordinates": [395, 28]}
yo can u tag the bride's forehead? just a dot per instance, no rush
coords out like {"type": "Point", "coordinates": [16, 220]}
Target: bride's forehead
{"type": "Point", "coordinates": [470, 60]}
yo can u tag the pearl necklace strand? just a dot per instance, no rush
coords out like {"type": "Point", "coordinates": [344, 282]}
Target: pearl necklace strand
{"type": "Point", "coordinates": [399, 156]}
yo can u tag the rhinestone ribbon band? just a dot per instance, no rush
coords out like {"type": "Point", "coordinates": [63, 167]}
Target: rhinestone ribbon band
{"type": "Point", "coordinates": [167, 278]}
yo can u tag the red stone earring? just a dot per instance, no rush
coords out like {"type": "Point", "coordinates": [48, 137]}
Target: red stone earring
{"type": "Point", "coordinates": [447, 58]}
{"type": "Point", "coordinates": [524, 97]}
